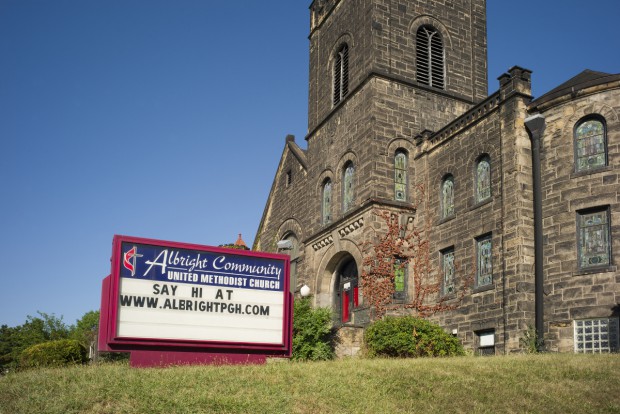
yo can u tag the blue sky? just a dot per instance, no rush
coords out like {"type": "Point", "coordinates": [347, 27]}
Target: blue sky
{"type": "Point", "coordinates": [166, 119]}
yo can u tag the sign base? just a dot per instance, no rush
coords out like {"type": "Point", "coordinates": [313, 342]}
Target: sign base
{"type": "Point", "coordinates": [148, 358]}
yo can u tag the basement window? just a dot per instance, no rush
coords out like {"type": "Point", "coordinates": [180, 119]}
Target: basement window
{"type": "Point", "coordinates": [596, 335]}
{"type": "Point", "coordinates": [486, 342]}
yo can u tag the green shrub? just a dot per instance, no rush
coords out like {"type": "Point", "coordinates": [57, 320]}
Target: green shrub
{"type": "Point", "coordinates": [409, 337]}
{"type": "Point", "coordinates": [54, 353]}
{"type": "Point", "coordinates": [312, 333]}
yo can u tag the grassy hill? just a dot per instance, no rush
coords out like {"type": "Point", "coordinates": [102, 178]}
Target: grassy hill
{"type": "Point", "coordinates": [513, 384]}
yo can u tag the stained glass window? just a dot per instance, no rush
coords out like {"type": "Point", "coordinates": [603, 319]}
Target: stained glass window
{"type": "Point", "coordinates": [400, 280]}
{"type": "Point", "coordinates": [590, 145]}
{"type": "Point", "coordinates": [447, 267]}
{"type": "Point", "coordinates": [594, 245]}
{"type": "Point", "coordinates": [596, 335]}
{"type": "Point", "coordinates": [483, 179]}
{"type": "Point", "coordinates": [348, 188]}
{"type": "Point", "coordinates": [447, 197]}
{"type": "Point", "coordinates": [484, 253]}
{"type": "Point", "coordinates": [327, 202]}
{"type": "Point", "coordinates": [400, 176]}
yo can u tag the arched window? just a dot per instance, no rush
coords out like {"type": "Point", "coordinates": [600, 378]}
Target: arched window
{"type": "Point", "coordinates": [341, 73]}
{"type": "Point", "coordinates": [430, 57]}
{"type": "Point", "coordinates": [482, 180]}
{"type": "Point", "coordinates": [590, 144]}
{"type": "Point", "coordinates": [348, 186]}
{"type": "Point", "coordinates": [400, 176]}
{"type": "Point", "coordinates": [447, 197]}
{"type": "Point", "coordinates": [326, 207]}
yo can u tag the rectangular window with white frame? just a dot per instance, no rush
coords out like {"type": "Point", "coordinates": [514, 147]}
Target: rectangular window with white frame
{"type": "Point", "coordinates": [486, 342]}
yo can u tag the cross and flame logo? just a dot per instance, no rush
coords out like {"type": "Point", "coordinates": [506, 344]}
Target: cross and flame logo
{"type": "Point", "coordinates": [129, 260]}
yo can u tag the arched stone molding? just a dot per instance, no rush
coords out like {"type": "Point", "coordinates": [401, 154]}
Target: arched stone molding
{"type": "Point", "coordinates": [348, 156]}
{"type": "Point", "coordinates": [344, 38]}
{"type": "Point", "coordinates": [438, 177]}
{"type": "Point", "coordinates": [328, 267]}
{"type": "Point", "coordinates": [290, 226]}
{"type": "Point", "coordinates": [596, 108]}
{"type": "Point", "coordinates": [400, 143]}
{"type": "Point", "coordinates": [318, 187]}
{"type": "Point", "coordinates": [428, 20]}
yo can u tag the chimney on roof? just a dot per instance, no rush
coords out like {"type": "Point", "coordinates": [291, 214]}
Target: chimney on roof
{"type": "Point", "coordinates": [240, 242]}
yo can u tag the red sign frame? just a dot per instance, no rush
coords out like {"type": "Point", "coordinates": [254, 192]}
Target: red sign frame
{"type": "Point", "coordinates": [157, 352]}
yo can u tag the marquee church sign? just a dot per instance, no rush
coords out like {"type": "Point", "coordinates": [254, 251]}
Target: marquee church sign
{"type": "Point", "coordinates": [176, 303]}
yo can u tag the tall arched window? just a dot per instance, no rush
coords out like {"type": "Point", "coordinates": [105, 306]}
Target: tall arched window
{"type": "Point", "coordinates": [341, 73]}
{"type": "Point", "coordinates": [430, 57]}
{"type": "Point", "coordinates": [447, 197]}
{"type": "Point", "coordinates": [326, 207]}
{"type": "Point", "coordinates": [400, 175]}
{"type": "Point", "coordinates": [590, 144]}
{"type": "Point", "coordinates": [482, 180]}
{"type": "Point", "coordinates": [348, 186]}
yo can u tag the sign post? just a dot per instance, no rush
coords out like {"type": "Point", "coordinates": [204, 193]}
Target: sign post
{"type": "Point", "coordinates": [174, 303]}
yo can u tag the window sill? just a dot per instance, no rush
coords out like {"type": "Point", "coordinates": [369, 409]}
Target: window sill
{"type": "Point", "coordinates": [446, 219]}
{"type": "Point", "coordinates": [594, 270]}
{"type": "Point", "coordinates": [481, 203]}
{"type": "Point", "coordinates": [448, 296]}
{"type": "Point", "coordinates": [484, 288]}
{"type": "Point", "coordinates": [578, 174]}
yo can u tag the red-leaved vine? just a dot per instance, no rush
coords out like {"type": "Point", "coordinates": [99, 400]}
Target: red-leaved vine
{"type": "Point", "coordinates": [404, 246]}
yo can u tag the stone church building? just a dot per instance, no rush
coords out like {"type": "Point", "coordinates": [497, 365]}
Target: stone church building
{"type": "Point", "coordinates": [521, 194]}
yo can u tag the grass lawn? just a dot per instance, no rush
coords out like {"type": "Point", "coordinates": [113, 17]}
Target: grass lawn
{"type": "Point", "coordinates": [558, 383]}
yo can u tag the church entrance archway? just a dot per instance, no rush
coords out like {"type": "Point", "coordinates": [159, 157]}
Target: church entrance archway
{"type": "Point", "coordinates": [346, 289]}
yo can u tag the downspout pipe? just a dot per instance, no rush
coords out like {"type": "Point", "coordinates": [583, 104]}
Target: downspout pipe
{"type": "Point", "coordinates": [536, 127]}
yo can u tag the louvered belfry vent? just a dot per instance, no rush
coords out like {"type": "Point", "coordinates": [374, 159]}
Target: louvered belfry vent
{"type": "Point", "coordinates": [430, 57]}
{"type": "Point", "coordinates": [341, 74]}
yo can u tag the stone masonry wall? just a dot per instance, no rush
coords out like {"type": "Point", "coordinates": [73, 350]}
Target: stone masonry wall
{"type": "Point", "coordinates": [570, 293]}
{"type": "Point", "coordinates": [491, 129]}
{"type": "Point", "coordinates": [462, 24]}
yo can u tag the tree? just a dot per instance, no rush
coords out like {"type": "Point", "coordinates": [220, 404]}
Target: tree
{"type": "Point", "coordinates": [403, 247]}
{"type": "Point", "coordinates": [85, 329]}
{"type": "Point", "coordinates": [36, 330]}
{"type": "Point", "coordinates": [7, 345]}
